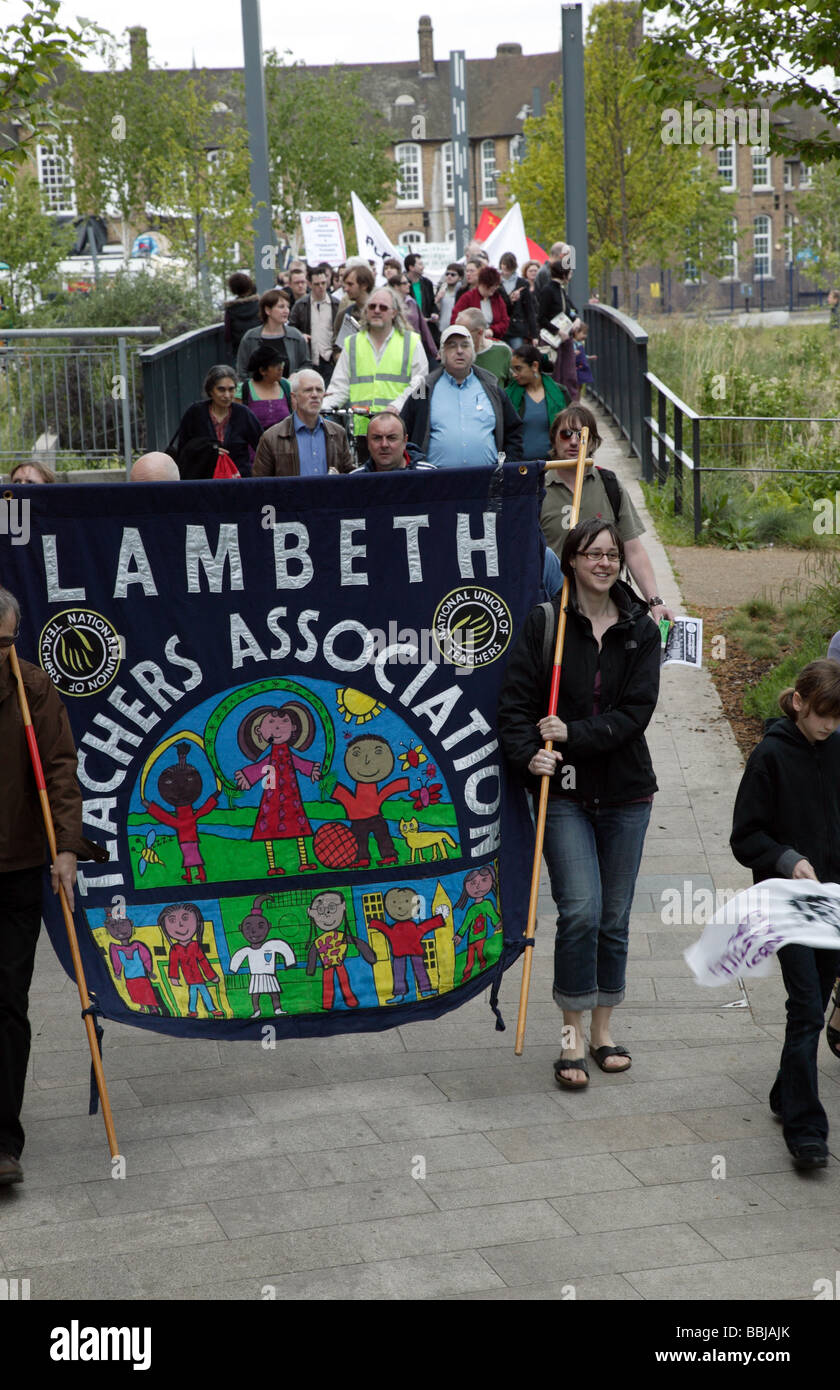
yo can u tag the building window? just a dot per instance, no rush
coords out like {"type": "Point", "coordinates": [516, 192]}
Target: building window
{"type": "Point", "coordinates": [691, 274]}
{"type": "Point", "coordinates": [730, 257]}
{"type": "Point", "coordinates": [726, 165]}
{"type": "Point", "coordinates": [789, 238]}
{"type": "Point", "coordinates": [761, 167]}
{"type": "Point", "coordinates": [805, 175]}
{"type": "Point", "coordinates": [488, 171]}
{"type": "Point", "coordinates": [448, 174]}
{"type": "Point", "coordinates": [788, 174]}
{"type": "Point", "coordinates": [410, 238]}
{"type": "Point", "coordinates": [56, 180]}
{"type": "Point", "coordinates": [410, 182]}
{"type": "Point", "coordinates": [517, 149]}
{"type": "Point", "coordinates": [762, 264]}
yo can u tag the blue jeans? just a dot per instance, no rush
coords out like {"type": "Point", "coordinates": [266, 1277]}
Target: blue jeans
{"type": "Point", "coordinates": [593, 856]}
{"type": "Point", "coordinates": [809, 976]}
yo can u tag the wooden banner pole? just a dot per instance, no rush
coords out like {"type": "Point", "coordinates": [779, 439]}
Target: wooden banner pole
{"type": "Point", "coordinates": [32, 744]}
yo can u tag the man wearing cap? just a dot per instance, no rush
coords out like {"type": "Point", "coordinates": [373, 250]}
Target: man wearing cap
{"type": "Point", "coordinates": [460, 417]}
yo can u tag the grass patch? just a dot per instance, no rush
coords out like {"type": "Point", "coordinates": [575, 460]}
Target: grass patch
{"type": "Point", "coordinates": [794, 632]}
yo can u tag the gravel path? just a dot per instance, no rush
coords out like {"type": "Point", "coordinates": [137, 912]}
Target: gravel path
{"type": "Point", "coordinates": [725, 578]}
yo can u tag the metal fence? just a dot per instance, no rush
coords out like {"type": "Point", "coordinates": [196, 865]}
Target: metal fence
{"type": "Point", "coordinates": [664, 433]}
{"type": "Point", "coordinates": [70, 396]}
{"type": "Point", "coordinates": [620, 346]}
{"type": "Point", "coordinates": [173, 376]}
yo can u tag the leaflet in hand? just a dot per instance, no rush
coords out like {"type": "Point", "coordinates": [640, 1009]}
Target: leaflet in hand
{"type": "Point", "coordinates": [684, 643]}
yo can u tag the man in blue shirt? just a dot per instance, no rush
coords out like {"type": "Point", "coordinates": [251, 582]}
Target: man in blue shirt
{"type": "Point", "coordinates": [459, 417]}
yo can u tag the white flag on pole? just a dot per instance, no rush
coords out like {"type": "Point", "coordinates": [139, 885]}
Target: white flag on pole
{"type": "Point", "coordinates": [508, 236]}
{"type": "Point", "coordinates": [747, 931]}
{"type": "Point", "coordinates": [373, 244]}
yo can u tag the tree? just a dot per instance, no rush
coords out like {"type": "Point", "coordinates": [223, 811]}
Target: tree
{"type": "Point", "coordinates": [114, 122]}
{"type": "Point", "coordinates": [325, 139]}
{"type": "Point", "coordinates": [157, 146]}
{"type": "Point", "coordinates": [199, 177]}
{"type": "Point", "coordinates": [648, 202]}
{"type": "Point", "coordinates": [31, 243]}
{"type": "Point", "coordinates": [758, 50]}
{"type": "Point", "coordinates": [818, 234]}
{"type": "Point", "coordinates": [33, 51]}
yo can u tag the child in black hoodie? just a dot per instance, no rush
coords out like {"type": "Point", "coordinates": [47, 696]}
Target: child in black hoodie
{"type": "Point", "coordinates": [786, 824]}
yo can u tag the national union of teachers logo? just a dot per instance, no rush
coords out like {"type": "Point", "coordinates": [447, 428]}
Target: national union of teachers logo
{"type": "Point", "coordinates": [80, 651]}
{"type": "Point", "coordinates": [472, 626]}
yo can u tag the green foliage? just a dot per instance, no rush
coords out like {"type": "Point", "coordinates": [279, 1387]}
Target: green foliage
{"type": "Point", "coordinates": [163, 300]}
{"type": "Point", "coordinates": [818, 231]}
{"type": "Point", "coordinates": [757, 50]}
{"type": "Point", "coordinates": [31, 243]}
{"type": "Point", "coordinates": [760, 608]}
{"type": "Point", "coordinates": [762, 699]}
{"type": "Point", "coordinates": [200, 178]}
{"type": "Point", "coordinates": [647, 202]}
{"type": "Point", "coordinates": [115, 121]}
{"type": "Point", "coordinates": [324, 139]}
{"type": "Point", "coordinates": [759, 645]}
{"type": "Point", "coordinates": [34, 49]}
{"type": "Point", "coordinates": [794, 632]}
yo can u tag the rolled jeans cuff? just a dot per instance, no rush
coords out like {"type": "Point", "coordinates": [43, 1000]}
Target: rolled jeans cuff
{"type": "Point", "coordinates": [594, 999]}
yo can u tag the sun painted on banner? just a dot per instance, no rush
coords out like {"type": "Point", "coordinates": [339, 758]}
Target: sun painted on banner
{"type": "Point", "coordinates": [305, 827]}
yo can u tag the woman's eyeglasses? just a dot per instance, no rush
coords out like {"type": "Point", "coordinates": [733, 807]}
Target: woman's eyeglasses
{"type": "Point", "coordinates": [595, 555]}
{"type": "Point", "coordinates": [9, 641]}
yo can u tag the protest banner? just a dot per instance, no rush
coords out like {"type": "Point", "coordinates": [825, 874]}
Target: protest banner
{"type": "Point", "coordinates": [323, 238]}
{"type": "Point", "coordinates": [283, 696]}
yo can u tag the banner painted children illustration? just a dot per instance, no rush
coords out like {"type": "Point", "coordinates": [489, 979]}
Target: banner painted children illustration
{"type": "Point", "coordinates": [283, 696]}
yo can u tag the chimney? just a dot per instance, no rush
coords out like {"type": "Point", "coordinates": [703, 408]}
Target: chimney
{"type": "Point", "coordinates": [138, 43]}
{"type": "Point", "coordinates": [503, 49]}
{"type": "Point", "coordinates": [427, 46]}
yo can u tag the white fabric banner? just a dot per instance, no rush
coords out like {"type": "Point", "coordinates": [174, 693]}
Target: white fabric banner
{"type": "Point", "coordinates": [747, 931]}
{"type": "Point", "coordinates": [373, 244]}
{"type": "Point", "coordinates": [508, 236]}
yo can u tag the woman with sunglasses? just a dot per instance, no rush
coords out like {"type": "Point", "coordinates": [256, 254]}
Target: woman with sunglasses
{"type": "Point", "coordinates": [603, 495]}
{"type": "Point", "coordinates": [413, 317]}
{"type": "Point", "coordinates": [602, 780]}
{"type": "Point", "coordinates": [450, 288]}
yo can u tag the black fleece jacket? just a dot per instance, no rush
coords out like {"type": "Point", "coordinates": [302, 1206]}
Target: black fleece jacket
{"type": "Point", "coordinates": [788, 805]}
{"type": "Point", "coordinates": [608, 750]}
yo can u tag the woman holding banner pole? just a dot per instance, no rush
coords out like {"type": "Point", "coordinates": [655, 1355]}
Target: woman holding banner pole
{"type": "Point", "coordinates": [601, 778]}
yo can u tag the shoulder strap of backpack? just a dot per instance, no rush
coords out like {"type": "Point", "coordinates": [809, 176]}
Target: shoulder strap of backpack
{"type": "Point", "coordinates": [612, 489]}
{"type": "Point", "coordinates": [548, 635]}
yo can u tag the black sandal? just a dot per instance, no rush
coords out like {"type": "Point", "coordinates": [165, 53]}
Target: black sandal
{"type": "Point", "coordinates": [602, 1053]}
{"type": "Point", "coordinates": [564, 1064]}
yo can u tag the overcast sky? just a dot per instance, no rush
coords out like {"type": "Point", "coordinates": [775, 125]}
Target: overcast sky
{"type": "Point", "coordinates": [349, 31]}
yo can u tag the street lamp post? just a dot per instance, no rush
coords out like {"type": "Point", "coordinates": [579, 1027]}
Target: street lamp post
{"type": "Point", "coordinates": [264, 242]}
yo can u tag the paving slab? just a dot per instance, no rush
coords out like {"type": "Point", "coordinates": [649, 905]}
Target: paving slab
{"type": "Point", "coordinates": [789, 1276]}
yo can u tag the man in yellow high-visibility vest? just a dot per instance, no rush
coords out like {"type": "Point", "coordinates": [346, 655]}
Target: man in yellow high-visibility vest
{"type": "Point", "coordinates": [380, 365]}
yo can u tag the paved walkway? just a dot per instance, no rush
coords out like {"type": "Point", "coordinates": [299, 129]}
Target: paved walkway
{"type": "Point", "coordinates": [429, 1162]}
